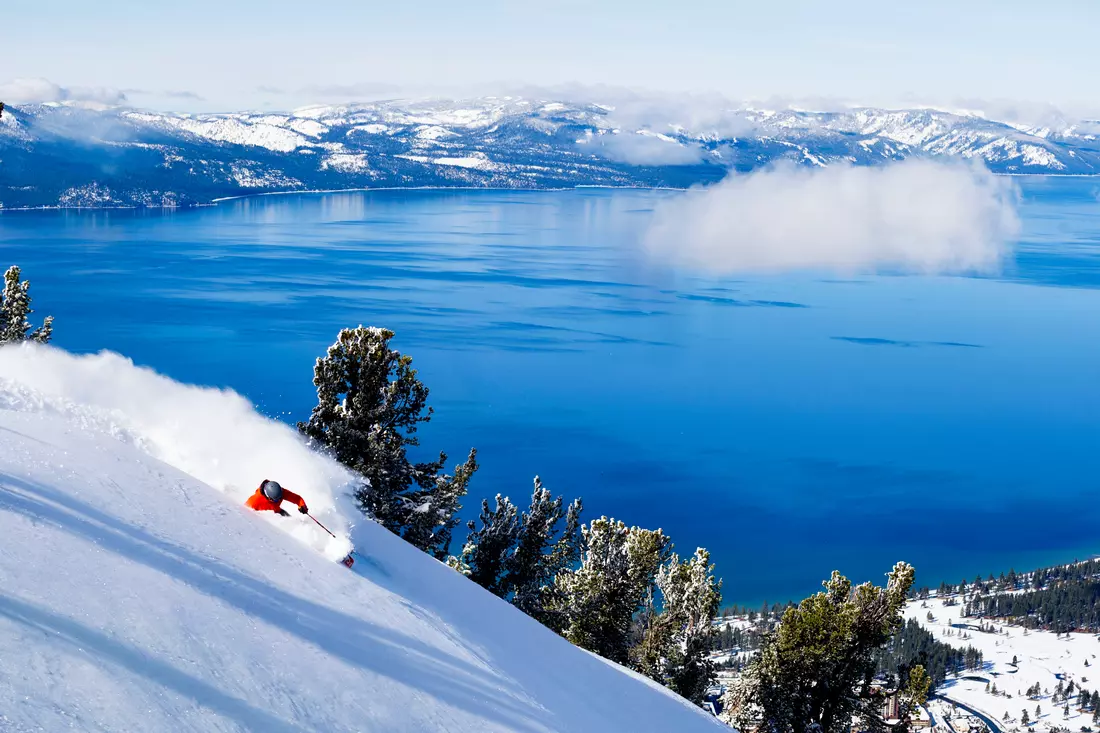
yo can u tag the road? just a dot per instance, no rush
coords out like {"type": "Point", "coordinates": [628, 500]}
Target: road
{"type": "Point", "coordinates": [994, 726]}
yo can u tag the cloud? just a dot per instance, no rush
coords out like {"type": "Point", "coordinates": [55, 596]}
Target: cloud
{"type": "Point", "coordinates": [641, 149]}
{"type": "Point", "coordinates": [165, 94]}
{"type": "Point", "coordinates": [705, 115]}
{"type": "Point", "coordinates": [31, 90]}
{"type": "Point", "coordinates": [183, 94]}
{"type": "Point", "coordinates": [914, 216]}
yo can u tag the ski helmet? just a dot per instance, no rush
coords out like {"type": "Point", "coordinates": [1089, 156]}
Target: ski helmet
{"type": "Point", "coordinates": [272, 491]}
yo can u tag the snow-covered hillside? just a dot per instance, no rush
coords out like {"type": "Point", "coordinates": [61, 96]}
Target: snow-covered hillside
{"type": "Point", "coordinates": [137, 594]}
{"type": "Point", "coordinates": [70, 155]}
{"type": "Point", "coordinates": [1042, 657]}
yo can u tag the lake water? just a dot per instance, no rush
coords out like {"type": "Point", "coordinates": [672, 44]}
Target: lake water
{"type": "Point", "coordinates": [791, 424]}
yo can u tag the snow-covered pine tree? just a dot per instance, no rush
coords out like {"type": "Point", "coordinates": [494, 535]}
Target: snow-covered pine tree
{"type": "Point", "coordinates": [675, 645]}
{"type": "Point", "coordinates": [541, 553]}
{"type": "Point", "coordinates": [815, 670]}
{"type": "Point", "coordinates": [15, 307]}
{"type": "Point", "coordinates": [526, 565]}
{"type": "Point", "coordinates": [517, 556]}
{"type": "Point", "coordinates": [369, 406]}
{"type": "Point", "coordinates": [487, 548]}
{"type": "Point", "coordinates": [599, 599]}
{"type": "Point", "coordinates": [432, 509]}
{"type": "Point", "coordinates": [564, 555]}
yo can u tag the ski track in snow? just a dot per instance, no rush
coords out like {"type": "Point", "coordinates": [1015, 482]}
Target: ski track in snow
{"type": "Point", "coordinates": [136, 593]}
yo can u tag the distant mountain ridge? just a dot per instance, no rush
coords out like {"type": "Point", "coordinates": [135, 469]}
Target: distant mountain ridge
{"type": "Point", "coordinates": [67, 155]}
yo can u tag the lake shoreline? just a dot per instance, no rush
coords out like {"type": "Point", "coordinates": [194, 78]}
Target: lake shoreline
{"type": "Point", "coordinates": [465, 189]}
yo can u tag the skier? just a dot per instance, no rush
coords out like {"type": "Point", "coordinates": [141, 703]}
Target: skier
{"type": "Point", "coordinates": [271, 495]}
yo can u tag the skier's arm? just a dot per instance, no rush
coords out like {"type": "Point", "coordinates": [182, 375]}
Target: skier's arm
{"type": "Point", "coordinates": [296, 500]}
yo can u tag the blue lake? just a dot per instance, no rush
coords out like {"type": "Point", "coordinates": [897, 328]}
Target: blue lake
{"type": "Point", "coordinates": [791, 424]}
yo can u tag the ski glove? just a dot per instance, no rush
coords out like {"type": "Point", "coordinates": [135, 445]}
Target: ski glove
{"type": "Point", "coordinates": [282, 512]}
{"type": "Point", "coordinates": [303, 509]}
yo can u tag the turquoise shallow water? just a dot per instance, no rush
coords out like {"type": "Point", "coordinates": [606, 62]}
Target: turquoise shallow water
{"type": "Point", "coordinates": [791, 424]}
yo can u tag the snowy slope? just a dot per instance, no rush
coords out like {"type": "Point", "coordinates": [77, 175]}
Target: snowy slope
{"type": "Point", "coordinates": [69, 155]}
{"type": "Point", "coordinates": [1042, 657]}
{"type": "Point", "coordinates": [137, 594]}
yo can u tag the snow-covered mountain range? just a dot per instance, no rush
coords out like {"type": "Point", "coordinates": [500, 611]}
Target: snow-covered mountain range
{"type": "Point", "coordinates": [81, 155]}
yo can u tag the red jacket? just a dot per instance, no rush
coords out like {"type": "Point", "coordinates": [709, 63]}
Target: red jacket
{"type": "Point", "coordinates": [261, 503]}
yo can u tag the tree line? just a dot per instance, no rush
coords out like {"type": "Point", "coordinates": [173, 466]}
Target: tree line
{"type": "Point", "coordinates": [616, 590]}
{"type": "Point", "coordinates": [1072, 605]}
{"type": "Point", "coordinates": [914, 644]}
{"type": "Point", "coordinates": [1061, 598]}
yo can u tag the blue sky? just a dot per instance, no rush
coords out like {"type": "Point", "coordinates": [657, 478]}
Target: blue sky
{"type": "Point", "coordinates": [233, 54]}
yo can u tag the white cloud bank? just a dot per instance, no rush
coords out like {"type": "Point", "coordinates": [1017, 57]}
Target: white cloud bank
{"type": "Point", "coordinates": [643, 149]}
{"type": "Point", "coordinates": [31, 90]}
{"type": "Point", "coordinates": [914, 216]}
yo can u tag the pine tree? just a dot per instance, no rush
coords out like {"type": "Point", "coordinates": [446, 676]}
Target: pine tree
{"type": "Point", "coordinates": [486, 550]}
{"type": "Point", "coordinates": [528, 567]}
{"type": "Point", "coordinates": [564, 556]}
{"type": "Point", "coordinates": [15, 307]}
{"type": "Point", "coordinates": [518, 556]}
{"type": "Point", "coordinates": [599, 599]}
{"type": "Point", "coordinates": [370, 404]}
{"type": "Point", "coordinates": [675, 642]}
{"type": "Point", "coordinates": [433, 508]}
{"type": "Point", "coordinates": [1025, 719]}
{"type": "Point", "coordinates": [816, 669]}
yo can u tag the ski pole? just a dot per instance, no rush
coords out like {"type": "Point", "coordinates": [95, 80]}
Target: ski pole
{"type": "Point", "coordinates": [348, 561]}
{"type": "Point", "coordinates": [321, 525]}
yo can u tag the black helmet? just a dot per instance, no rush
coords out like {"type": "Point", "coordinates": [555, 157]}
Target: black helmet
{"type": "Point", "coordinates": [272, 490]}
